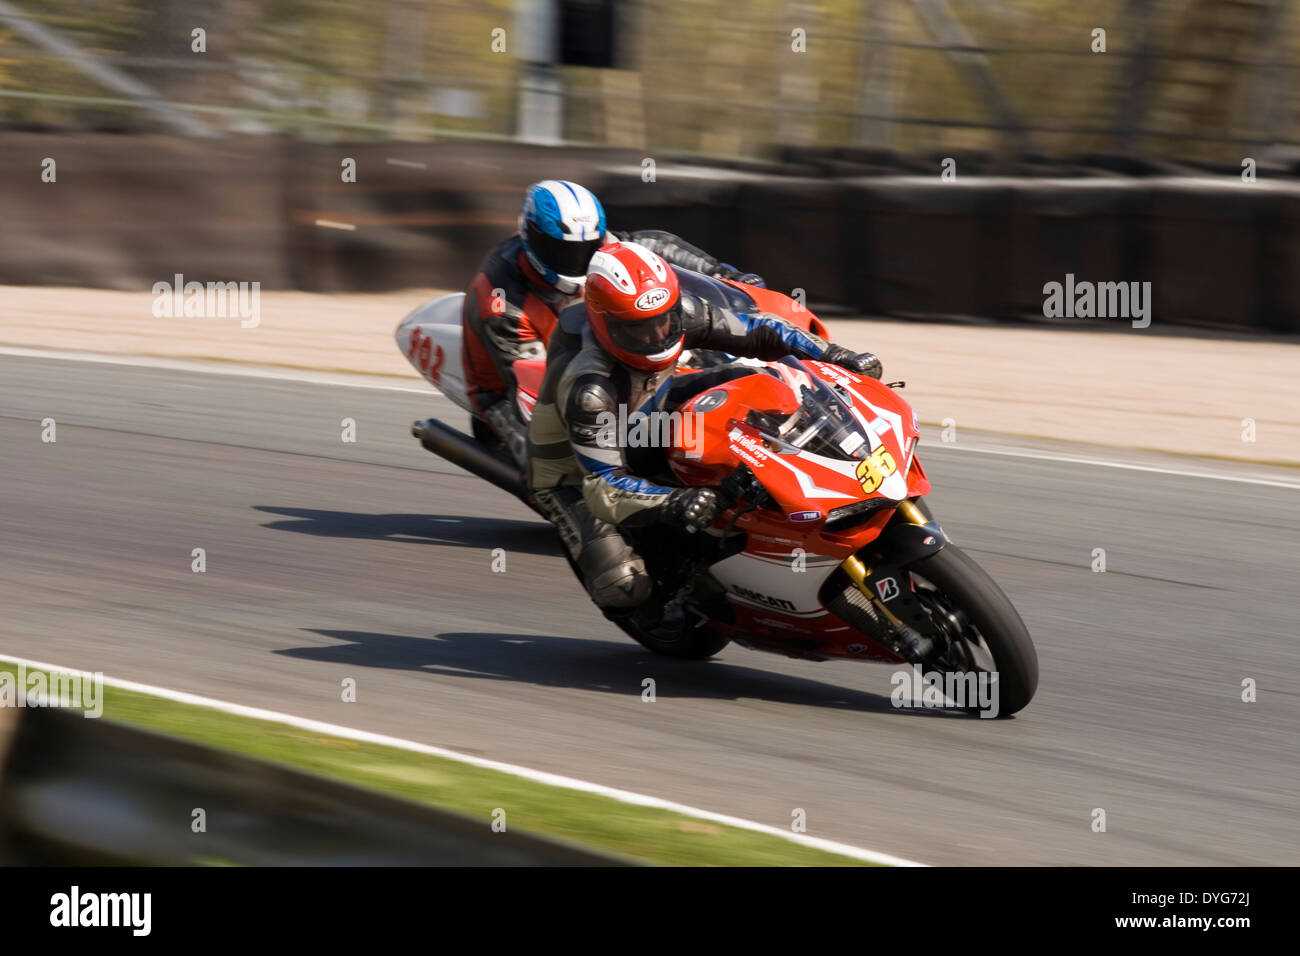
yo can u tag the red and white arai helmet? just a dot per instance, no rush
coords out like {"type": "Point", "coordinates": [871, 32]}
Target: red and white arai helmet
{"type": "Point", "coordinates": [633, 305]}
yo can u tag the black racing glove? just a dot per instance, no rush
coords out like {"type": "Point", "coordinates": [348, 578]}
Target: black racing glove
{"type": "Point", "coordinates": [864, 363]}
{"type": "Point", "coordinates": [728, 271]}
{"type": "Point", "coordinates": [691, 508]}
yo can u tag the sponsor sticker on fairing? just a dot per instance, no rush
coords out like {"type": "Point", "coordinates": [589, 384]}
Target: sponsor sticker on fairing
{"type": "Point", "coordinates": [747, 448]}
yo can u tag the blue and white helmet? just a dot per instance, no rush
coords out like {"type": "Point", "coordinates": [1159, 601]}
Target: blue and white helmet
{"type": "Point", "coordinates": [562, 225]}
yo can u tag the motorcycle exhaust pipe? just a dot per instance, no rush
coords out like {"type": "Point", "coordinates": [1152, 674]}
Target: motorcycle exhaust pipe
{"type": "Point", "coordinates": [459, 449]}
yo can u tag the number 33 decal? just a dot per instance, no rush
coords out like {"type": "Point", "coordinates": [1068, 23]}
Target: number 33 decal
{"type": "Point", "coordinates": [873, 471]}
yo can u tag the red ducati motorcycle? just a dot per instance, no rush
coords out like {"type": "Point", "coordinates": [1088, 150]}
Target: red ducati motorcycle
{"type": "Point", "coordinates": [827, 551]}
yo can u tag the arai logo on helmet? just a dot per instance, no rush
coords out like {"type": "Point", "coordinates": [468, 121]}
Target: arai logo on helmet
{"type": "Point", "coordinates": [805, 515]}
{"type": "Point", "coordinates": [651, 300]}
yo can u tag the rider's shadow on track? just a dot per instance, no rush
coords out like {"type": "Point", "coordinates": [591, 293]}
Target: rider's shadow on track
{"type": "Point", "coordinates": [528, 537]}
{"type": "Point", "coordinates": [609, 666]}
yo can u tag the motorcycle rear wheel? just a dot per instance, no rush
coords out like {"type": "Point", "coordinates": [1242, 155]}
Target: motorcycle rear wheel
{"type": "Point", "coordinates": [696, 644]}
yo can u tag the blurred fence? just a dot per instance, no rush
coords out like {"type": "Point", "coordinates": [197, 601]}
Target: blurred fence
{"type": "Point", "coordinates": [77, 792]}
{"type": "Point", "coordinates": [816, 133]}
{"type": "Point", "coordinates": [1185, 80]}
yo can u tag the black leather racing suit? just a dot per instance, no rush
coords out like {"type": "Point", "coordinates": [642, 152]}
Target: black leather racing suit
{"type": "Point", "coordinates": [580, 478]}
{"type": "Point", "coordinates": [509, 312]}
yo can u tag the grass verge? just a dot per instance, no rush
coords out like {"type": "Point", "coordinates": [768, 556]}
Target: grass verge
{"type": "Point", "coordinates": [643, 834]}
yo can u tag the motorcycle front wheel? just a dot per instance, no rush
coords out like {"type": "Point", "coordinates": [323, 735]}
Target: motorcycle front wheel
{"type": "Point", "coordinates": [981, 629]}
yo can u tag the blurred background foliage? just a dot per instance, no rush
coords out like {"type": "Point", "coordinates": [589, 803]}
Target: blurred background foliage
{"type": "Point", "coordinates": [1185, 80]}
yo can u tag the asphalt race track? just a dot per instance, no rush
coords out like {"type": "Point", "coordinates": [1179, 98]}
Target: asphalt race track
{"type": "Point", "coordinates": [372, 560]}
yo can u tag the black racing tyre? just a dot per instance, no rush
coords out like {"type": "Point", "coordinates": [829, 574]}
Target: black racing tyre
{"type": "Point", "coordinates": [696, 644]}
{"type": "Point", "coordinates": [968, 588]}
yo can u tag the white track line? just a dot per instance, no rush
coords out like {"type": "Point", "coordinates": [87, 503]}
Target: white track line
{"type": "Point", "coordinates": [538, 776]}
{"type": "Point", "coordinates": [346, 379]}
{"type": "Point", "coordinates": [358, 381]}
{"type": "Point", "coordinates": [1102, 463]}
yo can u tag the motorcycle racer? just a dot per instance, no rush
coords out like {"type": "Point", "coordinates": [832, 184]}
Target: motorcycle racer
{"type": "Point", "coordinates": [525, 282]}
{"type": "Point", "coordinates": [617, 350]}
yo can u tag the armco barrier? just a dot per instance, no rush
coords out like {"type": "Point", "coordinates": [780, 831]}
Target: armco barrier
{"type": "Point", "coordinates": [1092, 227]}
{"type": "Point", "coordinates": [931, 249]}
{"type": "Point", "coordinates": [795, 229]}
{"type": "Point", "coordinates": [127, 212]}
{"type": "Point", "coordinates": [1279, 282]}
{"type": "Point", "coordinates": [77, 792]}
{"type": "Point", "coordinates": [1208, 250]}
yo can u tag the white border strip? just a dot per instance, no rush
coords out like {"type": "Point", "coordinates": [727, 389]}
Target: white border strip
{"type": "Point", "coordinates": [1102, 463]}
{"type": "Point", "coordinates": [359, 381]}
{"type": "Point", "coordinates": [538, 776]}
{"type": "Point", "coordinates": [346, 379]}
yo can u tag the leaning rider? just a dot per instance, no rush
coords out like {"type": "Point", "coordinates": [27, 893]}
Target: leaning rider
{"type": "Point", "coordinates": [512, 303]}
{"type": "Point", "coordinates": [618, 348]}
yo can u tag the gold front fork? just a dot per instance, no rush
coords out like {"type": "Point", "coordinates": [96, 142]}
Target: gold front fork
{"type": "Point", "coordinates": [911, 511]}
{"type": "Point", "coordinates": [858, 572]}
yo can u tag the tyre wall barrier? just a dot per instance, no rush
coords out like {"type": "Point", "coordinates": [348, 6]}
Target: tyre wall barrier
{"type": "Point", "coordinates": [126, 212]}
